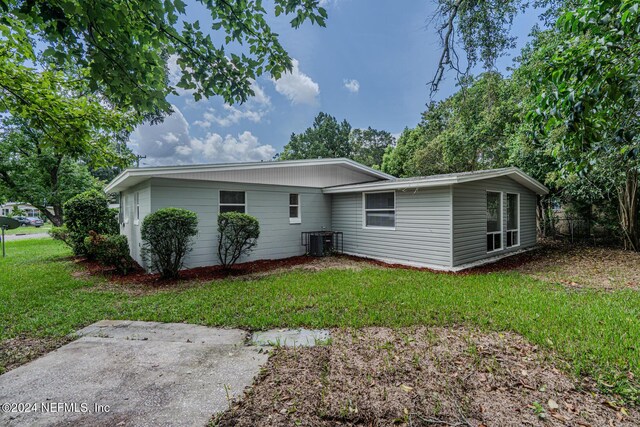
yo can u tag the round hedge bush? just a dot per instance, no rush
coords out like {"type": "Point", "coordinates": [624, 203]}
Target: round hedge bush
{"type": "Point", "coordinates": [168, 237]}
{"type": "Point", "coordinates": [85, 212]}
{"type": "Point", "coordinates": [237, 236]}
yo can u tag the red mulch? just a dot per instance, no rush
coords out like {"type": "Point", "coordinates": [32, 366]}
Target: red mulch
{"type": "Point", "coordinates": [140, 277]}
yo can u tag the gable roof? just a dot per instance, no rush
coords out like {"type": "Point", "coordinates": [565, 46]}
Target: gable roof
{"type": "Point", "coordinates": [212, 172]}
{"type": "Point", "coordinates": [445, 179]}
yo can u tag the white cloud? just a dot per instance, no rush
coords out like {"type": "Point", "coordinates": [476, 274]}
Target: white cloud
{"type": "Point", "coordinates": [253, 110]}
{"type": "Point", "coordinates": [297, 86]}
{"type": "Point", "coordinates": [175, 74]}
{"type": "Point", "coordinates": [352, 85]}
{"type": "Point", "coordinates": [241, 148]}
{"type": "Point", "coordinates": [170, 142]}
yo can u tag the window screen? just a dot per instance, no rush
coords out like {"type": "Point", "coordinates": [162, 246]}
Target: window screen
{"type": "Point", "coordinates": [380, 209]}
{"type": "Point", "coordinates": [232, 201]}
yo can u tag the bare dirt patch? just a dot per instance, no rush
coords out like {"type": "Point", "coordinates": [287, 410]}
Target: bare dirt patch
{"type": "Point", "coordinates": [18, 351]}
{"type": "Point", "coordinates": [421, 377]}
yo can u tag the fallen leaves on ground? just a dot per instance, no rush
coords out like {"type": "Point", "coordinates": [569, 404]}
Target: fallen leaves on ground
{"type": "Point", "coordinates": [18, 351]}
{"type": "Point", "coordinates": [579, 266]}
{"type": "Point", "coordinates": [420, 377]}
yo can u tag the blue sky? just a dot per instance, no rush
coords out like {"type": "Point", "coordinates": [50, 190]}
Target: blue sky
{"type": "Point", "coordinates": [370, 65]}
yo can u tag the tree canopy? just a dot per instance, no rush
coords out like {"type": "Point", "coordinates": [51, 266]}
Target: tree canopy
{"type": "Point", "coordinates": [124, 46]}
{"type": "Point", "coordinates": [468, 131]}
{"type": "Point", "coordinates": [588, 88]}
{"type": "Point", "coordinates": [328, 138]}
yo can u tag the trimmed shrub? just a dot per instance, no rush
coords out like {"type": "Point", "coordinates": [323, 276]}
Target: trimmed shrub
{"type": "Point", "coordinates": [237, 235]}
{"type": "Point", "coordinates": [62, 234]}
{"type": "Point", "coordinates": [110, 250]}
{"type": "Point", "coordinates": [89, 211]}
{"type": "Point", "coordinates": [168, 237]}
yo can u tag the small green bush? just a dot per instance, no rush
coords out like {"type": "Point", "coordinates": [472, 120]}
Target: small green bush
{"type": "Point", "coordinates": [237, 235]}
{"type": "Point", "coordinates": [62, 234]}
{"type": "Point", "coordinates": [168, 237]}
{"type": "Point", "coordinates": [89, 211]}
{"type": "Point", "coordinates": [110, 250]}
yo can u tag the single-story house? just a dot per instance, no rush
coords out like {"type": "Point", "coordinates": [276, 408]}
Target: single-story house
{"type": "Point", "coordinates": [445, 222]}
{"type": "Point", "coordinates": [7, 209]}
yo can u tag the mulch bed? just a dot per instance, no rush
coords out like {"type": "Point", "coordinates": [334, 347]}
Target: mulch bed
{"type": "Point", "coordinates": [140, 277]}
{"type": "Point", "coordinates": [572, 265]}
{"type": "Point", "coordinates": [421, 377]}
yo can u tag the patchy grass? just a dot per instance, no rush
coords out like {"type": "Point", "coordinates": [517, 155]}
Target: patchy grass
{"type": "Point", "coordinates": [420, 377]}
{"type": "Point", "coordinates": [597, 332]}
{"type": "Point", "coordinates": [29, 230]}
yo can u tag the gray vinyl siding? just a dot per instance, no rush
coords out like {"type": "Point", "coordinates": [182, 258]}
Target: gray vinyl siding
{"type": "Point", "coordinates": [268, 203]}
{"type": "Point", "coordinates": [422, 234]}
{"type": "Point", "coordinates": [131, 227]}
{"type": "Point", "coordinates": [470, 218]}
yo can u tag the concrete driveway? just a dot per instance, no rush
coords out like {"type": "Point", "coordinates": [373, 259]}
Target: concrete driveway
{"type": "Point", "coordinates": [122, 373]}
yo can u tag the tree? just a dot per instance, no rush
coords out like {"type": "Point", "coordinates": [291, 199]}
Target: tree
{"type": "Point", "coordinates": [16, 211]}
{"type": "Point", "coordinates": [48, 141]}
{"type": "Point", "coordinates": [398, 160]}
{"type": "Point", "coordinates": [369, 145]}
{"type": "Point", "coordinates": [468, 131]}
{"type": "Point", "coordinates": [40, 175]}
{"type": "Point", "coordinates": [482, 29]}
{"type": "Point", "coordinates": [588, 87]}
{"type": "Point", "coordinates": [124, 45]}
{"type": "Point", "coordinates": [326, 138]}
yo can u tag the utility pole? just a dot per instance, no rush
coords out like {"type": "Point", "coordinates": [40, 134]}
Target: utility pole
{"type": "Point", "coordinates": [138, 158]}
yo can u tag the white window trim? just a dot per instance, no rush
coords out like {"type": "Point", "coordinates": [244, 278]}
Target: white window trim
{"type": "Point", "coordinates": [123, 206]}
{"type": "Point", "coordinates": [364, 211]}
{"type": "Point", "coordinates": [298, 219]}
{"type": "Point", "coordinates": [518, 223]}
{"type": "Point", "coordinates": [136, 208]}
{"type": "Point", "coordinates": [502, 219]}
{"type": "Point", "coordinates": [246, 200]}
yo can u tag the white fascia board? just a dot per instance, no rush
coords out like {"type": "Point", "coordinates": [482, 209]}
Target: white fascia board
{"type": "Point", "coordinates": [381, 186]}
{"type": "Point", "coordinates": [529, 182]}
{"type": "Point", "coordinates": [110, 188]}
{"type": "Point", "coordinates": [163, 170]}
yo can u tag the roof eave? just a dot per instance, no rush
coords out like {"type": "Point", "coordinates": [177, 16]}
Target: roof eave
{"type": "Point", "coordinates": [115, 184]}
{"type": "Point", "coordinates": [531, 183]}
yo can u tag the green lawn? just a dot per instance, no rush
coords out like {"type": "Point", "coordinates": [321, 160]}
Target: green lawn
{"type": "Point", "coordinates": [597, 332]}
{"type": "Point", "coordinates": [29, 230]}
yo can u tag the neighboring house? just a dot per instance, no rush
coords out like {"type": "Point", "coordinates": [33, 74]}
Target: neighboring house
{"type": "Point", "coordinates": [444, 222]}
{"type": "Point", "coordinates": [6, 209]}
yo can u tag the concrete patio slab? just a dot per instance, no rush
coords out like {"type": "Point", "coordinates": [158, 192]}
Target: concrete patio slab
{"type": "Point", "coordinates": [122, 373]}
{"type": "Point", "coordinates": [291, 337]}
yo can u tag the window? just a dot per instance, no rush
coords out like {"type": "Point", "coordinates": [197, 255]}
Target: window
{"type": "Point", "coordinates": [233, 201]}
{"type": "Point", "coordinates": [380, 210]}
{"type": "Point", "coordinates": [494, 221]}
{"type": "Point", "coordinates": [294, 208]}
{"type": "Point", "coordinates": [136, 203]}
{"type": "Point", "coordinates": [513, 220]}
{"type": "Point", "coordinates": [123, 212]}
